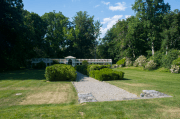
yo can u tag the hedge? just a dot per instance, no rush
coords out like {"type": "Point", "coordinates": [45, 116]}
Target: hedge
{"type": "Point", "coordinates": [60, 72]}
{"type": "Point", "coordinates": [106, 74]}
{"type": "Point", "coordinates": [96, 67]}
{"type": "Point", "coordinates": [121, 62]}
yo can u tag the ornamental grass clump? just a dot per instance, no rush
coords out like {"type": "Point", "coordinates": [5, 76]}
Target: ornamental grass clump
{"type": "Point", "coordinates": [60, 72]}
{"type": "Point", "coordinates": [140, 61]}
{"type": "Point", "coordinates": [150, 65]}
{"type": "Point", "coordinates": [106, 74]}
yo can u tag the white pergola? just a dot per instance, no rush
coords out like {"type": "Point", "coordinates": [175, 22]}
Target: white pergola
{"type": "Point", "coordinates": [71, 60]}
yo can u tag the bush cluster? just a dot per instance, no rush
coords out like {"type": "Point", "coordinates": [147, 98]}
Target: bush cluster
{"type": "Point", "coordinates": [168, 59]}
{"type": "Point", "coordinates": [40, 65]}
{"type": "Point", "coordinates": [128, 62]}
{"type": "Point", "coordinates": [174, 69]}
{"type": "Point", "coordinates": [150, 65]}
{"type": "Point", "coordinates": [121, 62]}
{"type": "Point", "coordinates": [176, 62]}
{"type": "Point", "coordinates": [60, 72]}
{"type": "Point", "coordinates": [96, 67]}
{"type": "Point", "coordinates": [140, 61]}
{"type": "Point", "coordinates": [106, 74]}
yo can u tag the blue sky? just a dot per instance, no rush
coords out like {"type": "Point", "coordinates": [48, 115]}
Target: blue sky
{"type": "Point", "coordinates": [107, 11]}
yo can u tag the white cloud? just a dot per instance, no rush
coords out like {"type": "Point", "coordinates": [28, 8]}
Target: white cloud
{"type": "Point", "coordinates": [106, 3]}
{"type": "Point", "coordinates": [127, 16]}
{"type": "Point", "coordinates": [110, 22]}
{"type": "Point", "coordinates": [97, 6]}
{"type": "Point", "coordinates": [120, 7]}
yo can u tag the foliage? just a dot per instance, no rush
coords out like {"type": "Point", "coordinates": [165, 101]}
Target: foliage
{"type": "Point", "coordinates": [82, 69]}
{"type": "Point", "coordinates": [174, 69]}
{"type": "Point", "coordinates": [150, 65]}
{"type": "Point", "coordinates": [140, 61]}
{"type": "Point", "coordinates": [55, 62]}
{"type": "Point", "coordinates": [85, 62]}
{"type": "Point", "coordinates": [96, 67]}
{"type": "Point", "coordinates": [128, 62]}
{"type": "Point", "coordinates": [60, 72]}
{"type": "Point", "coordinates": [40, 65]}
{"type": "Point", "coordinates": [106, 74]}
{"type": "Point", "coordinates": [176, 62]}
{"type": "Point", "coordinates": [168, 59]}
{"type": "Point", "coordinates": [121, 62]}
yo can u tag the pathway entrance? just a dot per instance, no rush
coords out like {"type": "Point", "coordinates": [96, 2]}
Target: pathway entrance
{"type": "Point", "coordinates": [92, 90]}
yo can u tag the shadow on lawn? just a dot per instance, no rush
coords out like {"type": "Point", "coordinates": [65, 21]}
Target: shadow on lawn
{"type": "Point", "coordinates": [26, 74]}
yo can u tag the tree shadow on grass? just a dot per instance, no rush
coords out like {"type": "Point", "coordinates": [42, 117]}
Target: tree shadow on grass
{"type": "Point", "coordinates": [26, 74]}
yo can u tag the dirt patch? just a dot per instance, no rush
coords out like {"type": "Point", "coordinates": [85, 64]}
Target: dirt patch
{"type": "Point", "coordinates": [46, 98]}
{"type": "Point", "coordinates": [48, 95]}
{"type": "Point", "coordinates": [137, 84]}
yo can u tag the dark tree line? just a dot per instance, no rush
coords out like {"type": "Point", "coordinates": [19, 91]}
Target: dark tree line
{"type": "Point", "coordinates": [25, 35]}
{"type": "Point", "coordinates": [153, 29]}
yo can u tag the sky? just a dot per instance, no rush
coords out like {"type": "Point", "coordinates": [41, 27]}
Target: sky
{"type": "Point", "coordinates": [108, 12]}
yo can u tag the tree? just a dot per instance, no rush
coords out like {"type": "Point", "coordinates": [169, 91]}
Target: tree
{"type": "Point", "coordinates": [86, 33]}
{"type": "Point", "coordinates": [11, 27]}
{"type": "Point", "coordinates": [56, 32]}
{"type": "Point", "coordinates": [151, 12]}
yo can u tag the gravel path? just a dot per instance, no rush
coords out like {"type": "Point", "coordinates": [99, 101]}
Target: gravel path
{"type": "Point", "coordinates": [101, 91]}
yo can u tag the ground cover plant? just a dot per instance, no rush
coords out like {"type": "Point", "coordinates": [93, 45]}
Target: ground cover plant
{"type": "Point", "coordinates": [60, 72]}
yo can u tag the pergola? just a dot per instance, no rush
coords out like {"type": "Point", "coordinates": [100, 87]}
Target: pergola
{"type": "Point", "coordinates": [71, 60]}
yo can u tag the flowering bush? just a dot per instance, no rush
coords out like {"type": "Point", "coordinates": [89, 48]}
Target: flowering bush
{"type": "Point", "coordinates": [174, 69]}
{"type": "Point", "coordinates": [150, 65]}
{"type": "Point", "coordinates": [128, 62]}
{"type": "Point", "coordinates": [140, 61]}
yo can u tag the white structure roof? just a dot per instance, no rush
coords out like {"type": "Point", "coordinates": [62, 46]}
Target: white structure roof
{"type": "Point", "coordinates": [70, 57]}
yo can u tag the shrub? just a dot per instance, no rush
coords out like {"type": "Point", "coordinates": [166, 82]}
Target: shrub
{"type": "Point", "coordinates": [168, 59]}
{"type": "Point", "coordinates": [96, 67]}
{"type": "Point", "coordinates": [85, 62]}
{"type": "Point", "coordinates": [60, 72]}
{"type": "Point", "coordinates": [174, 69]}
{"type": "Point", "coordinates": [150, 65]}
{"type": "Point", "coordinates": [140, 61]}
{"type": "Point", "coordinates": [128, 62]}
{"type": "Point", "coordinates": [162, 69]}
{"type": "Point", "coordinates": [176, 62]}
{"type": "Point", "coordinates": [121, 62]}
{"type": "Point", "coordinates": [40, 65]}
{"type": "Point", "coordinates": [106, 74]}
{"type": "Point", "coordinates": [55, 62]}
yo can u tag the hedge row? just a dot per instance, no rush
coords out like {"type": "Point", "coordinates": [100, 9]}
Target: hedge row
{"type": "Point", "coordinates": [106, 74]}
{"type": "Point", "coordinates": [96, 67]}
{"type": "Point", "coordinates": [60, 72]}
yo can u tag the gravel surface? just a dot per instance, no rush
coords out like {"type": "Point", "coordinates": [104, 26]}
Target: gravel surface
{"type": "Point", "coordinates": [101, 91]}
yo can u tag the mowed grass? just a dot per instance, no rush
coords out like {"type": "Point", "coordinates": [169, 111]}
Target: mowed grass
{"type": "Point", "coordinates": [31, 82]}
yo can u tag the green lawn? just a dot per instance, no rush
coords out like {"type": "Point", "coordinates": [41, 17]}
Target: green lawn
{"type": "Point", "coordinates": [41, 99]}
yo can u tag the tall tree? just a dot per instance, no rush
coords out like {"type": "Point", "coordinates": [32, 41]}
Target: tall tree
{"type": "Point", "coordinates": [151, 12]}
{"type": "Point", "coordinates": [11, 27]}
{"type": "Point", "coordinates": [56, 32]}
{"type": "Point", "coordinates": [86, 33]}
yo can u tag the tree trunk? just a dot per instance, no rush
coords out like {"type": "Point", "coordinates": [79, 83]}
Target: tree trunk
{"type": "Point", "coordinates": [152, 49]}
{"type": "Point", "coordinates": [166, 49]}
